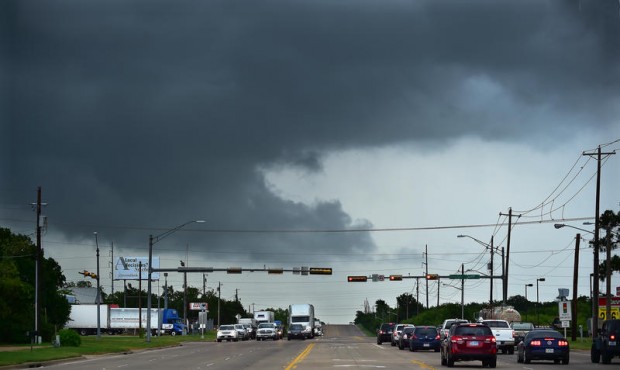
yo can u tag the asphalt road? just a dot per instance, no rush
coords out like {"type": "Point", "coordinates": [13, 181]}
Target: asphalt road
{"type": "Point", "coordinates": [342, 347]}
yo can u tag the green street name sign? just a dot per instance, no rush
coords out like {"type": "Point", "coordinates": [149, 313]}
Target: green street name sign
{"type": "Point", "coordinates": [464, 276]}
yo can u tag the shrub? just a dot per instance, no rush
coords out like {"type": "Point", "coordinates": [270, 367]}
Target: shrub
{"type": "Point", "coordinates": [69, 338]}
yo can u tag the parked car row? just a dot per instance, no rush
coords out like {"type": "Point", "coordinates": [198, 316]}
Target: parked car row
{"type": "Point", "coordinates": [459, 340]}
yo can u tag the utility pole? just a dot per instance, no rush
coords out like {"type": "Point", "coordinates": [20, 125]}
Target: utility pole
{"type": "Point", "coordinates": [417, 296]}
{"type": "Point", "coordinates": [426, 273]}
{"type": "Point", "coordinates": [491, 285]}
{"type": "Point", "coordinates": [219, 295]}
{"type": "Point", "coordinates": [575, 278]}
{"type": "Point", "coordinates": [505, 278]}
{"type": "Point", "coordinates": [140, 297]}
{"type": "Point", "coordinates": [112, 269]}
{"type": "Point", "coordinates": [37, 290]}
{"type": "Point", "coordinates": [98, 297]}
{"type": "Point", "coordinates": [236, 295]}
{"type": "Point", "coordinates": [595, 282]}
{"type": "Point", "coordinates": [463, 291]}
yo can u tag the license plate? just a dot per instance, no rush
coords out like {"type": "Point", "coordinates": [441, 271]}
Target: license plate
{"type": "Point", "coordinates": [426, 345]}
{"type": "Point", "coordinates": [549, 350]}
{"type": "Point", "coordinates": [473, 343]}
{"type": "Point", "coordinates": [612, 343]}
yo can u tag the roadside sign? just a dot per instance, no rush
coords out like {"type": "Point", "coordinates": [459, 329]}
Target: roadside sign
{"type": "Point", "coordinates": [565, 313]}
{"type": "Point", "coordinates": [198, 306]}
{"type": "Point", "coordinates": [565, 324]}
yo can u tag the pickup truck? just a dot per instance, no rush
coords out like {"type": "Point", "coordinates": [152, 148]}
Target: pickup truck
{"type": "Point", "coordinates": [504, 335]}
{"type": "Point", "coordinates": [521, 329]}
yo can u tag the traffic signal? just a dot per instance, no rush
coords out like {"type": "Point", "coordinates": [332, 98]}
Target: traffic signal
{"type": "Point", "coordinates": [275, 271]}
{"type": "Point", "coordinates": [320, 271]}
{"type": "Point", "coordinates": [396, 277]}
{"type": "Point", "coordinates": [432, 277]}
{"type": "Point", "coordinates": [88, 274]}
{"type": "Point", "coordinates": [357, 279]}
{"type": "Point", "coordinates": [233, 270]}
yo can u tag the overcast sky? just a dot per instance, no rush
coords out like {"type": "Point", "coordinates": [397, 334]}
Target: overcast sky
{"type": "Point", "coordinates": [343, 134]}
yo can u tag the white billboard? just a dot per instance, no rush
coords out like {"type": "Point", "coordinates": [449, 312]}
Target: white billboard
{"type": "Point", "coordinates": [127, 268]}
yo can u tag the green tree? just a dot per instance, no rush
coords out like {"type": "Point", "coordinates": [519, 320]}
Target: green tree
{"type": "Point", "coordinates": [17, 290]}
{"type": "Point", "coordinates": [408, 306]}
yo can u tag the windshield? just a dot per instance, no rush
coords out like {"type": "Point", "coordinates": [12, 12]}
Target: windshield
{"type": "Point", "coordinates": [522, 326]}
{"type": "Point", "coordinates": [429, 332]}
{"type": "Point", "coordinates": [497, 324]}
{"type": "Point", "coordinates": [300, 319]}
{"type": "Point", "coordinates": [227, 327]}
{"type": "Point", "coordinates": [266, 325]}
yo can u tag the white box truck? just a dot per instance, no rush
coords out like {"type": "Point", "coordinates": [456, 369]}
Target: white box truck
{"type": "Point", "coordinates": [264, 317]}
{"type": "Point", "coordinates": [302, 314]}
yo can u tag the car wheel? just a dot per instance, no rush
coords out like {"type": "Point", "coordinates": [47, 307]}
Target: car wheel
{"type": "Point", "coordinates": [525, 359]}
{"type": "Point", "coordinates": [393, 344]}
{"type": "Point", "coordinates": [595, 354]}
{"type": "Point", "coordinates": [378, 342]}
{"type": "Point", "coordinates": [450, 361]}
{"type": "Point", "coordinates": [565, 361]}
{"type": "Point", "coordinates": [219, 340]}
{"type": "Point", "coordinates": [493, 363]}
{"type": "Point", "coordinates": [173, 333]}
{"type": "Point", "coordinates": [605, 357]}
{"type": "Point", "coordinates": [511, 350]}
{"type": "Point", "coordinates": [556, 360]}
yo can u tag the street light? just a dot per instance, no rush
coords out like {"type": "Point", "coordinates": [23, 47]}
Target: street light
{"type": "Point", "coordinates": [538, 300]}
{"type": "Point", "coordinates": [492, 249]}
{"type": "Point", "coordinates": [526, 286]}
{"type": "Point", "coordinates": [559, 226]}
{"type": "Point", "coordinates": [153, 240]}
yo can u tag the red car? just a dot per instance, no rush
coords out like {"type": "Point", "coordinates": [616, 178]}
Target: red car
{"type": "Point", "coordinates": [469, 342]}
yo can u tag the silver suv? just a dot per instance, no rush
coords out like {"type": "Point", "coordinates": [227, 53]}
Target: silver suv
{"type": "Point", "coordinates": [445, 327]}
{"type": "Point", "coordinates": [398, 330]}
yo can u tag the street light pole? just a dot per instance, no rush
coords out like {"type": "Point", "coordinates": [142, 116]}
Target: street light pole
{"type": "Point", "coordinates": [153, 240]}
{"type": "Point", "coordinates": [526, 286]}
{"type": "Point", "coordinates": [538, 300]}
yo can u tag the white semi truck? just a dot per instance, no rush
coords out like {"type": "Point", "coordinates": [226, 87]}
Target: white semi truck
{"type": "Point", "coordinates": [302, 314]}
{"type": "Point", "coordinates": [113, 319]}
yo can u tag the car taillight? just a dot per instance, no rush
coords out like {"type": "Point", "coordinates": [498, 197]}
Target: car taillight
{"type": "Point", "coordinates": [535, 343]}
{"type": "Point", "coordinates": [457, 339]}
{"type": "Point", "coordinates": [612, 337]}
{"type": "Point", "coordinates": [562, 343]}
{"type": "Point", "coordinates": [490, 340]}
{"type": "Point", "coordinates": [437, 337]}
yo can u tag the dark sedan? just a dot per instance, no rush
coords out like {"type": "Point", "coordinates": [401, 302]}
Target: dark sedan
{"type": "Point", "coordinates": [426, 338]}
{"type": "Point", "coordinates": [296, 331]}
{"type": "Point", "coordinates": [543, 344]}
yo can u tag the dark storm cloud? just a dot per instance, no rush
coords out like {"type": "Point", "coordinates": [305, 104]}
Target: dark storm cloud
{"type": "Point", "coordinates": [150, 113]}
